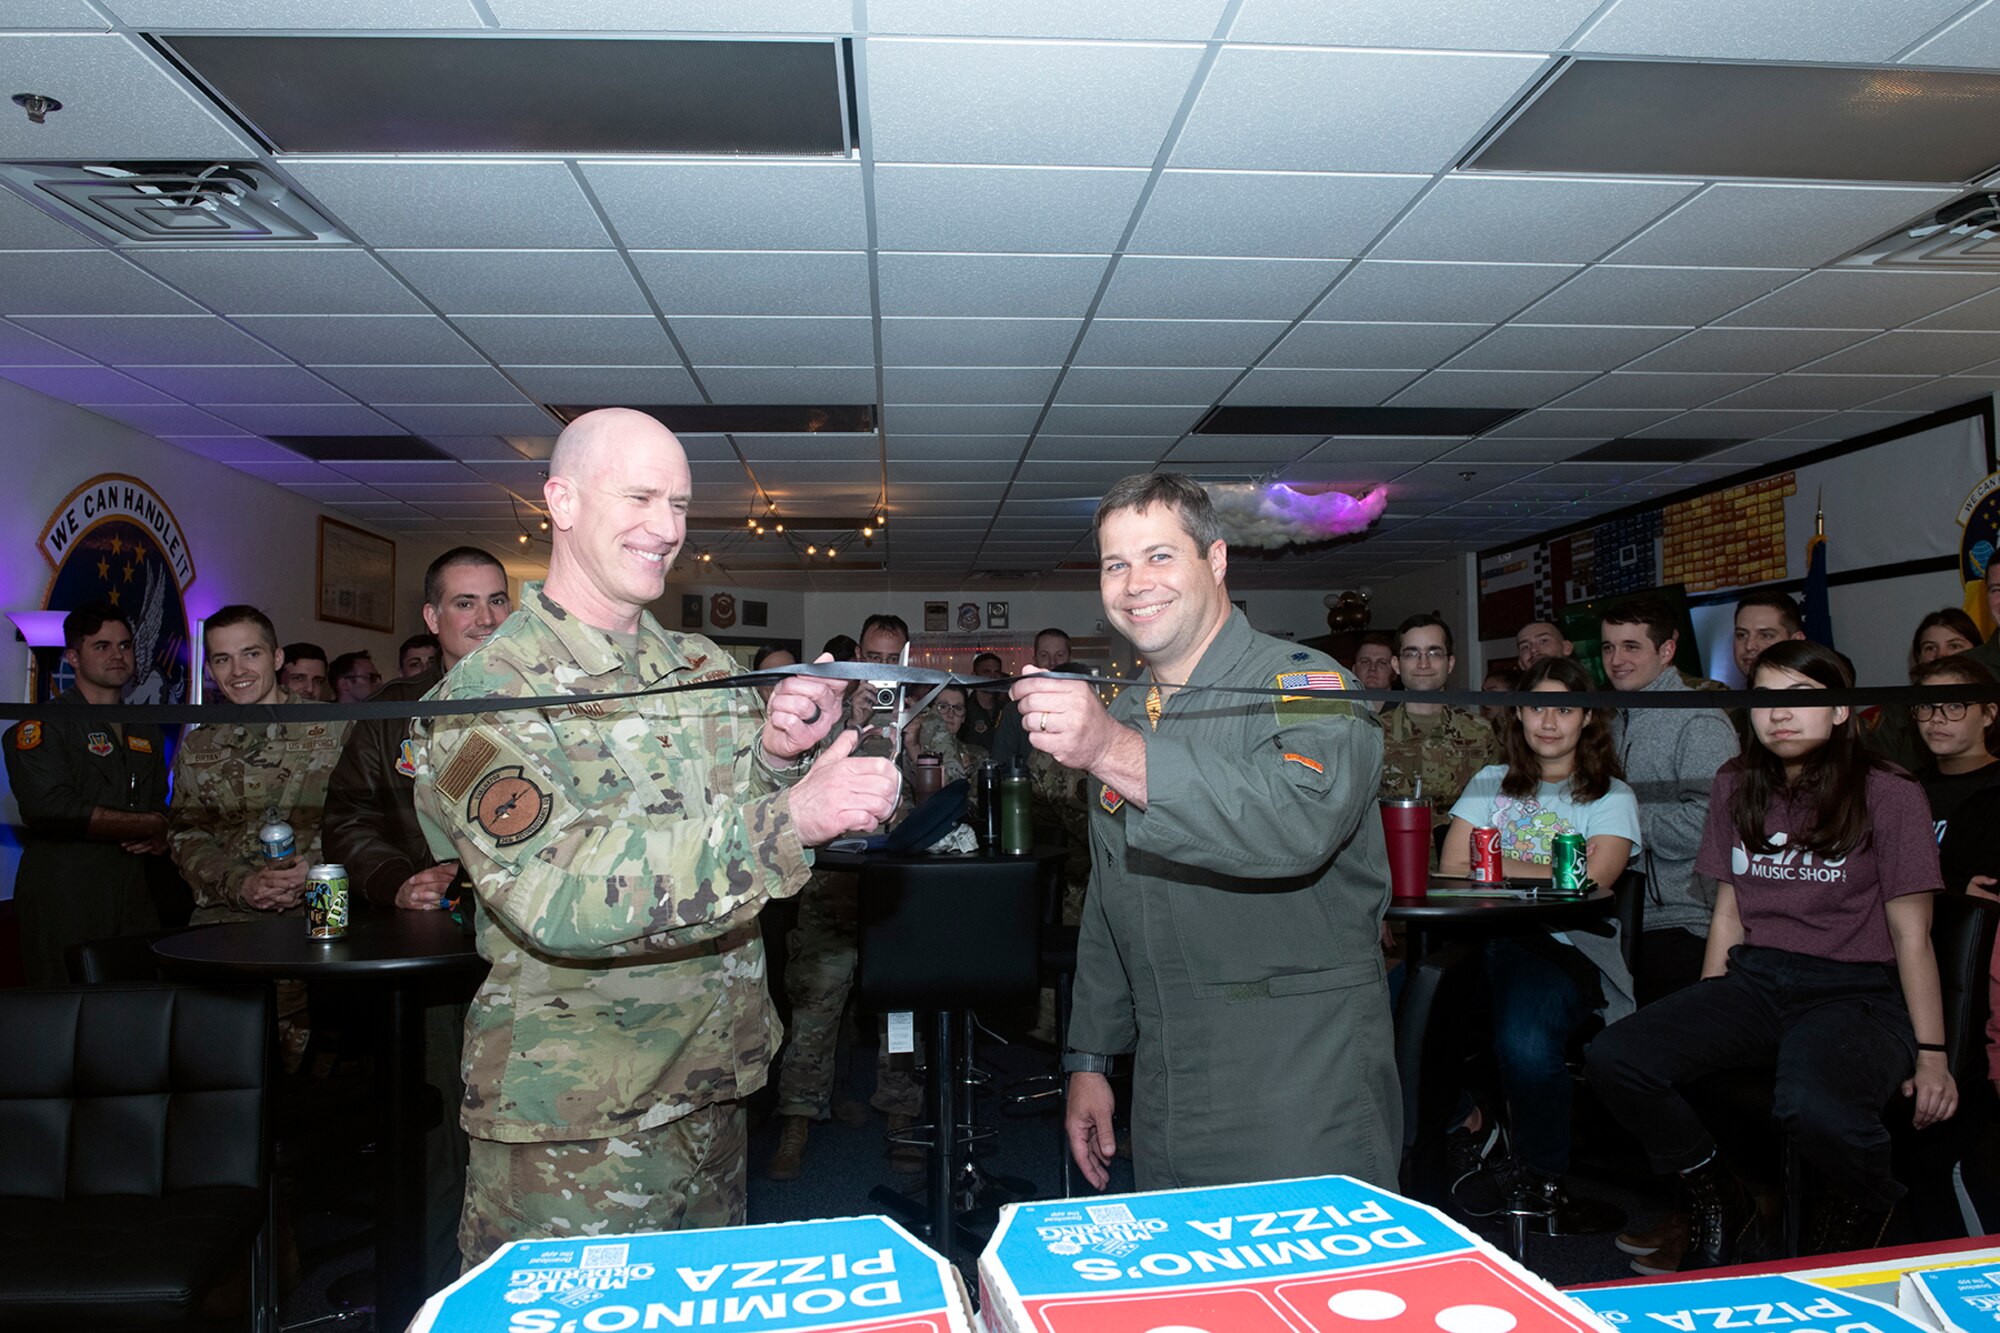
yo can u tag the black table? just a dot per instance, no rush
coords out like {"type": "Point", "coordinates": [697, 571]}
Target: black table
{"type": "Point", "coordinates": [1498, 916]}
{"type": "Point", "coordinates": [397, 954]}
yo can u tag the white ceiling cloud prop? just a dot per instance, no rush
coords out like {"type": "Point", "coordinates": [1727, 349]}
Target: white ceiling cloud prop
{"type": "Point", "coordinates": [1276, 515]}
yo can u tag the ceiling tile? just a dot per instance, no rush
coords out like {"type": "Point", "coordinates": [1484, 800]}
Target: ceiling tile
{"type": "Point", "coordinates": [1339, 388]}
{"type": "Point", "coordinates": [231, 448]}
{"type": "Point", "coordinates": [362, 340]}
{"type": "Point", "coordinates": [1067, 103]}
{"type": "Point", "coordinates": [1558, 347]}
{"type": "Point", "coordinates": [1045, 210]}
{"type": "Point", "coordinates": [1091, 419]}
{"type": "Point", "coordinates": [1937, 395]}
{"type": "Point", "coordinates": [744, 205]}
{"type": "Point", "coordinates": [1981, 315]}
{"type": "Point", "coordinates": [82, 282]}
{"type": "Point", "coordinates": [468, 418]}
{"type": "Point", "coordinates": [284, 282]}
{"type": "Point", "coordinates": [1269, 213]}
{"type": "Point", "coordinates": [169, 14]}
{"type": "Point", "coordinates": [1155, 287]}
{"type": "Point", "coordinates": [401, 473]}
{"type": "Point", "coordinates": [1855, 299]}
{"type": "Point", "coordinates": [164, 419]}
{"type": "Point", "coordinates": [809, 448]}
{"type": "Point", "coordinates": [453, 203]}
{"type": "Point", "coordinates": [1494, 450]}
{"type": "Point", "coordinates": [1973, 42]}
{"type": "Point", "coordinates": [48, 15]}
{"type": "Point", "coordinates": [1526, 219]}
{"type": "Point", "coordinates": [1301, 110]}
{"type": "Point", "coordinates": [522, 282]}
{"type": "Point", "coordinates": [1376, 346]}
{"type": "Point", "coordinates": [776, 341]}
{"type": "Point", "coordinates": [1911, 352]}
{"type": "Point", "coordinates": [423, 493]}
{"type": "Point", "coordinates": [291, 473]}
{"type": "Point", "coordinates": [1169, 342]}
{"type": "Point", "coordinates": [422, 384]}
{"type": "Point", "coordinates": [158, 340]}
{"type": "Point", "coordinates": [1169, 20]}
{"type": "Point", "coordinates": [121, 104]}
{"type": "Point", "coordinates": [988, 285]}
{"type": "Point", "coordinates": [977, 342]}
{"type": "Point", "coordinates": [922, 471]}
{"type": "Point", "coordinates": [1824, 393]}
{"type": "Point", "coordinates": [1767, 351]}
{"type": "Point", "coordinates": [966, 384]}
{"type": "Point", "coordinates": [1128, 449]}
{"type": "Point", "coordinates": [789, 384]}
{"type": "Point", "coordinates": [1529, 25]}
{"type": "Point", "coordinates": [577, 340]}
{"type": "Point", "coordinates": [683, 16]}
{"type": "Point", "coordinates": [756, 282]}
{"type": "Point", "coordinates": [1776, 226]}
{"type": "Point", "coordinates": [208, 385]}
{"type": "Point", "coordinates": [25, 227]}
{"type": "Point", "coordinates": [1437, 293]}
{"type": "Point", "coordinates": [1488, 388]}
{"type": "Point", "coordinates": [1617, 294]}
{"type": "Point", "coordinates": [84, 384]}
{"type": "Point", "coordinates": [1823, 30]}
{"type": "Point", "coordinates": [18, 347]}
{"type": "Point", "coordinates": [1093, 384]}
{"type": "Point", "coordinates": [946, 419]}
{"type": "Point", "coordinates": [969, 448]}
{"type": "Point", "coordinates": [1727, 426]}
{"type": "Point", "coordinates": [606, 384]}
{"type": "Point", "coordinates": [1589, 425]}
{"type": "Point", "coordinates": [1647, 390]}
{"type": "Point", "coordinates": [306, 419]}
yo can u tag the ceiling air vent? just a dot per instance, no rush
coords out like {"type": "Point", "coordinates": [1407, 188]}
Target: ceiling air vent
{"type": "Point", "coordinates": [1961, 237]}
{"type": "Point", "coordinates": [173, 203]}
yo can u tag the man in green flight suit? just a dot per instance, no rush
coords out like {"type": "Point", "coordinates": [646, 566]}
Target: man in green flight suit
{"type": "Point", "coordinates": [620, 851]}
{"type": "Point", "coordinates": [1229, 940]}
{"type": "Point", "coordinates": [93, 797]}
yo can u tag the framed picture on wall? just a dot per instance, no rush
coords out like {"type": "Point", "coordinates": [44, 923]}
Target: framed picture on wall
{"type": "Point", "coordinates": [690, 610]}
{"type": "Point", "coordinates": [937, 617]}
{"type": "Point", "coordinates": [996, 615]}
{"type": "Point", "coordinates": [356, 577]}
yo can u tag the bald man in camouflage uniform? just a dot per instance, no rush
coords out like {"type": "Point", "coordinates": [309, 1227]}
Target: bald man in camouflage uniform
{"type": "Point", "coordinates": [620, 853]}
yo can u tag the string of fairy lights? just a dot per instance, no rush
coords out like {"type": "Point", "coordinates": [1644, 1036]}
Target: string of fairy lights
{"type": "Point", "coordinates": [755, 525]}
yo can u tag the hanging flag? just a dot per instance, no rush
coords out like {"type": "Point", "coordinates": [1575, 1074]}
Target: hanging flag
{"type": "Point", "coordinates": [1818, 614]}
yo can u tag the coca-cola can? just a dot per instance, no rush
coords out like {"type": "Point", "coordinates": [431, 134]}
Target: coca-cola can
{"type": "Point", "coordinates": [1486, 855]}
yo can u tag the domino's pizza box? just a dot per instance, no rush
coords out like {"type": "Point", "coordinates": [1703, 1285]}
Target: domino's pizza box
{"type": "Point", "coordinates": [1328, 1254]}
{"type": "Point", "coordinates": [1772, 1303]}
{"type": "Point", "coordinates": [855, 1275]}
{"type": "Point", "coordinates": [1963, 1299]}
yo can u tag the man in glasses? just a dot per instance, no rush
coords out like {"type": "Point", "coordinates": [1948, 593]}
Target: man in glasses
{"type": "Point", "coordinates": [1434, 744]}
{"type": "Point", "coordinates": [355, 678]}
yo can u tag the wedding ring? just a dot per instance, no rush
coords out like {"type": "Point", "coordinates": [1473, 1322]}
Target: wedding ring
{"type": "Point", "coordinates": [815, 714]}
{"type": "Point", "coordinates": [1045, 721]}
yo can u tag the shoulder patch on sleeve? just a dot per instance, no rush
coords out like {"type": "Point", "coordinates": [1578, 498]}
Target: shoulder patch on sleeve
{"type": "Point", "coordinates": [508, 805]}
{"type": "Point", "coordinates": [465, 766]}
{"type": "Point", "coordinates": [28, 736]}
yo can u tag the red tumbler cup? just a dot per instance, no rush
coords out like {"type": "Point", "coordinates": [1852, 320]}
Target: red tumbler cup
{"type": "Point", "coordinates": [1406, 828]}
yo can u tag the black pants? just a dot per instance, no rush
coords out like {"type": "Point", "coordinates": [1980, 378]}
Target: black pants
{"type": "Point", "coordinates": [1670, 959]}
{"type": "Point", "coordinates": [1837, 1033]}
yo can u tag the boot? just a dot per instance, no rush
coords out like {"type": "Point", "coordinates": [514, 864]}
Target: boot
{"type": "Point", "coordinates": [1842, 1224]}
{"type": "Point", "coordinates": [1721, 1216]}
{"type": "Point", "coordinates": [905, 1158]}
{"type": "Point", "coordinates": [789, 1161]}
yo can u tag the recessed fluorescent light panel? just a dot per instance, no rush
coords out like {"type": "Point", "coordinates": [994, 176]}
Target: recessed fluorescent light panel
{"type": "Point", "coordinates": [1353, 420]}
{"type": "Point", "coordinates": [361, 448]}
{"type": "Point", "coordinates": [527, 95]}
{"type": "Point", "coordinates": [750, 419]}
{"type": "Point", "coordinates": [1784, 122]}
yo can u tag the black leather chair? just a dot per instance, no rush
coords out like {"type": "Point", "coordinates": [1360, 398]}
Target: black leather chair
{"type": "Point", "coordinates": [134, 1154]}
{"type": "Point", "coordinates": [114, 960]}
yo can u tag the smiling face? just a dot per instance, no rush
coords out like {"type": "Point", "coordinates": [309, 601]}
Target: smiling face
{"type": "Point", "coordinates": [1553, 728]}
{"type": "Point", "coordinates": [1757, 628]}
{"type": "Point", "coordinates": [1051, 652]}
{"type": "Point", "coordinates": [619, 512]}
{"type": "Point", "coordinates": [1631, 659]}
{"type": "Point", "coordinates": [1792, 731]}
{"type": "Point", "coordinates": [307, 679]}
{"type": "Point", "coordinates": [1160, 590]}
{"type": "Point", "coordinates": [472, 603]}
{"type": "Point", "coordinates": [1424, 660]}
{"type": "Point", "coordinates": [243, 664]}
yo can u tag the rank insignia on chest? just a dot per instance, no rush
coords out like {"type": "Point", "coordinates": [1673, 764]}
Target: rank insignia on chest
{"type": "Point", "coordinates": [139, 744]}
{"type": "Point", "coordinates": [1110, 801]}
{"type": "Point", "coordinates": [100, 743]}
{"type": "Point", "coordinates": [406, 759]}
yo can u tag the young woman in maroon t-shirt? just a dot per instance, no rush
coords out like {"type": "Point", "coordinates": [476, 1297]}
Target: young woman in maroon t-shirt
{"type": "Point", "coordinates": [1819, 962]}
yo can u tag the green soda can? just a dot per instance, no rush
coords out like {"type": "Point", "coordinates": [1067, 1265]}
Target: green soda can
{"type": "Point", "coordinates": [326, 902]}
{"type": "Point", "coordinates": [1567, 863]}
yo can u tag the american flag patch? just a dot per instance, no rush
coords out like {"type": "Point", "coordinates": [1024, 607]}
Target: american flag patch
{"type": "Point", "coordinates": [1311, 680]}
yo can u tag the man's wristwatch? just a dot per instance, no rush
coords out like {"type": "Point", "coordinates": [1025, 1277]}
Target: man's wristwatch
{"type": "Point", "coordinates": [1082, 1062]}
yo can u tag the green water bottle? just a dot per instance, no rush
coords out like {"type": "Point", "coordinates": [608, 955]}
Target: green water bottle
{"type": "Point", "coordinates": [1017, 823]}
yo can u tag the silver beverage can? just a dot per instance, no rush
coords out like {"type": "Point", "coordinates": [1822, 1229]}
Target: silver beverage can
{"type": "Point", "coordinates": [326, 902]}
{"type": "Point", "coordinates": [277, 839]}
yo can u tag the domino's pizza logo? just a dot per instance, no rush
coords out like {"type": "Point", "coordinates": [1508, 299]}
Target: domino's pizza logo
{"type": "Point", "coordinates": [1109, 1229]}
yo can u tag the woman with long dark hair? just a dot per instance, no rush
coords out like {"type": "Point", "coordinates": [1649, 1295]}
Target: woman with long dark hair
{"type": "Point", "coordinates": [1943, 634]}
{"type": "Point", "coordinates": [1560, 776]}
{"type": "Point", "coordinates": [1819, 961]}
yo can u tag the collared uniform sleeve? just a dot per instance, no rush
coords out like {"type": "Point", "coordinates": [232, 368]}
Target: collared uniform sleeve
{"type": "Point", "coordinates": [47, 782]}
{"type": "Point", "coordinates": [584, 867]}
{"type": "Point", "coordinates": [214, 871]}
{"type": "Point", "coordinates": [1279, 807]}
{"type": "Point", "coordinates": [358, 831]}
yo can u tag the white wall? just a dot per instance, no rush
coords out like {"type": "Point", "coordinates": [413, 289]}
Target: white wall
{"type": "Point", "coordinates": [1445, 588]}
{"type": "Point", "coordinates": [251, 541]}
{"type": "Point", "coordinates": [785, 611]}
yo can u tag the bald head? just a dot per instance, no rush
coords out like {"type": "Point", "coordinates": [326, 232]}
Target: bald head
{"type": "Point", "coordinates": [583, 444]}
{"type": "Point", "coordinates": [618, 493]}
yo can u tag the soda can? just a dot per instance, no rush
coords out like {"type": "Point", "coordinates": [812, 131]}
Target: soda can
{"type": "Point", "coordinates": [1567, 857]}
{"type": "Point", "coordinates": [277, 839]}
{"type": "Point", "coordinates": [326, 902]}
{"type": "Point", "coordinates": [1486, 855]}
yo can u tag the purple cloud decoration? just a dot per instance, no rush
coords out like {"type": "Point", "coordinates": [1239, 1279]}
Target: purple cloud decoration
{"type": "Point", "coordinates": [1276, 515]}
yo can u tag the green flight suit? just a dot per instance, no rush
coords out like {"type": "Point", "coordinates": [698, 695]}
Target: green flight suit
{"type": "Point", "coordinates": [72, 888]}
{"type": "Point", "coordinates": [1231, 935]}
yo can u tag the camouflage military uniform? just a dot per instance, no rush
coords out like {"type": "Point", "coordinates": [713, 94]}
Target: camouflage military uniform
{"type": "Point", "coordinates": [1444, 749]}
{"type": "Point", "coordinates": [620, 854]}
{"type": "Point", "coordinates": [226, 777]}
{"type": "Point", "coordinates": [1061, 796]}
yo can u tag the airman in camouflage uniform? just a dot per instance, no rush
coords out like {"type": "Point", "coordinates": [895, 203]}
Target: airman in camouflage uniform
{"type": "Point", "coordinates": [620, 853]}
{"type": "Point", "coordinates": [1444, 749]}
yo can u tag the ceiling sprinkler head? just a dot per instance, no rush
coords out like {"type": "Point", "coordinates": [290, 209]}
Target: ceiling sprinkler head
{"type": "Point", "coordinates": [37, 105]}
